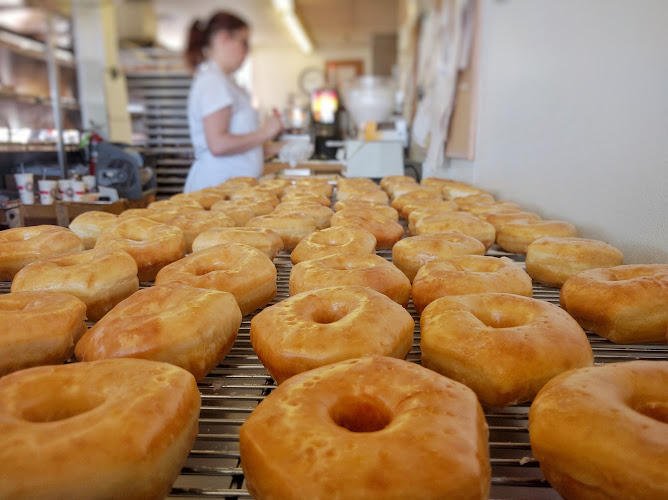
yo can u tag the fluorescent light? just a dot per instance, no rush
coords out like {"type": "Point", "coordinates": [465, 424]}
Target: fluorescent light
{"type": "Point", "coordinates": [286, 9]}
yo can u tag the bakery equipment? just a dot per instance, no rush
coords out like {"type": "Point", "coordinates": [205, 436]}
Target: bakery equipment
{"type": "Point", "coordinates": [376, 145]}
{"type": "Point", "coordinates": [124, 169]}
{"type": "Point", "coordinates": [324, 122]}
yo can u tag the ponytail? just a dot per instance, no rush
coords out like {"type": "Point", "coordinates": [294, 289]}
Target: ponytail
{"type": "Point", "coordinates": [196, 42]}
{"type": "Point", "coordinates": [200, 34]}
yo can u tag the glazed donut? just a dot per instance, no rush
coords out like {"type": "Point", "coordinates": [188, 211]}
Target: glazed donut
{"type": "Point", "coordinates": [204, 197]}
{"type": "Point", "coordinates": [386, 231]}
{"type": "Point", "coordinates": [334, 240]}
{"type": "Point", "coordinates": [239, 213]}
{"type": "Point", "coordinates": [384, 210]}
{"type": "Point", "coordinates": [278, 186]}
{"type": "Point", "coordinates": [252, 195]}
{"type": "Point", "coordinates": [89, 225]}
{"type": "Point", "coordinates": [499, 219]}
{"type": "Point", "coordinates": [439, 205]}
{"type": "Point", "coordinates": [311, 185]}
{"type": "Point", "coordinates": [225, 191]}
{"type": "Point", "coordinates": [38, 328]}
{"type": "Point", "coordinates": [194, 223]}
{"type": "Point", "coordinates": [267, 241]}
{"type": "Point", "coordinates": [156, 215]}
{"type": "Point", "coordinates": [515, 237]}
{"type": "Point", "coordinates": [410, 254]}
{"type": "Point", "coordinates": [483, 209]}
{"type": "Point", "coordinates": [242, 179]}
{"type": "Point", "coordinates": [371, 195]}
{"type": "Point", "coordinates": [118, 428]}
{"type": "Point", "coordinates": [422, 194]}
{"type": "Point", "coordinates": [253, 208]}
{"type": "Point", "coordinates": [321, 327]}
{"type": "Point", "coordinates": [552, 261]}
{"type": "Point", "coordinates": [307, 197]}
{"type": "Point", "coordinates": [390, 180]}
{"type": "Point", "coordinates": [22, 245]}
{"type": "Point", "coordinates": [625, 453]}
{"type": "Point", "coordinates": [458, 221]}
{"type": "Point", "coordinates": [273, 189]}
{"type": "Point", "coordinates": [400, 188]}
{"type": "Point", "coordinates": [422, 213]}
{"type": "Point", "coordinates": [505, 347]}
{"type": "Point", "coordinates": [468, 274]}
{"type": "Point", "coordinates": [101, 278]}
{"type": "Point", "coordinates": [292, 227]}
{"type": "Point", "coordinates": [356, 183]}
{"type": "Point", "coordinates": [175, 204]}
{"type": "Point", "coordinates": [359, 428]}
{"type": "Point", "coordinates": [473, 199]}
{"type": "Point", "coordinates": [151, 244]}
{"type": "Point", "coordinates": [625, 304]}
{"type": "Point", "coordinates": [241, 270]}
{"type": "Point", "coordinates": [189, 327]}
{"type": "Point", "coordinates": [456, 189]}
{"type": "Point", "coordinates": [436, 182]}
{"type": "Point", "coordinates": [321, 215]}
{"type": "Point", "coordinates": [351, 269]}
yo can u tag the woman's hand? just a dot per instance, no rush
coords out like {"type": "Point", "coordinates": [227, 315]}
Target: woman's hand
{"type": "Point", "coordinates": [272, 125]}
{"type": "Point", "coordinates": [220, 142]}
{"type": "Point", "coordinates": [272, 149]}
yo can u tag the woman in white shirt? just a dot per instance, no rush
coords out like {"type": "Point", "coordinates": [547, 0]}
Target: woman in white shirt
{"type": "Point", "coordinates": [224, 127]}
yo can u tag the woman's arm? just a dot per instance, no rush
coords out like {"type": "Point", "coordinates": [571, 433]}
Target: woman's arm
{"type": "Point", "coordinates": [220, 142]}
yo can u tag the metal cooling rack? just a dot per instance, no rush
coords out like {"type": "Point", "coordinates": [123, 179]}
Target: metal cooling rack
{"type": "Point", "coordinates": [232, 390]}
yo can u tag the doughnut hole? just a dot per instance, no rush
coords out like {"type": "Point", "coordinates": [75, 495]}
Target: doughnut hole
{"type": "Point", "coordinates": [341, 265]}
{"type": "Point", "coordinates": [330, 313]}
{"type": "Point", "coordinates": [361, 413]}
{"type": "Point", "coordinates": [624, 273]}
{"type": "Point", "coordinates": [53, 406]}
{"type": "Point", "coordinates": [503, 319]}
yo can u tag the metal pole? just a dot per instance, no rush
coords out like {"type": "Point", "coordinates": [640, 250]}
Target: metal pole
{"type": "Point", "coordinates": [54, 86]}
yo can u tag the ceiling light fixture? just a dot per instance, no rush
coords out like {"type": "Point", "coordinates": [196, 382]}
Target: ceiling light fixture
{"type": "Point", "coordinates": [286, 9]}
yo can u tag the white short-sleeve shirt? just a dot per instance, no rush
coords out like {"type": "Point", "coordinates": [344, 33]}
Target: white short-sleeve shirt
{"type": "Point", "coordinates": [212, 90]}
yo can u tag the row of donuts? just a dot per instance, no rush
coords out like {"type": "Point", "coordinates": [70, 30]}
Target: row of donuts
{"type": "Point", "coordinates": [623, 303]}
{"type": "Point", "coordinates": [151, 407]}
{"type": "Point", "coordinates": [299, 338]}
{"type": "Point", "coordinates": [327, 320]}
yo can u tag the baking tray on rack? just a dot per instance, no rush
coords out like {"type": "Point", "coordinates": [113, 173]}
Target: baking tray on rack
{"type": "Point", "coordinates": [236, 386]}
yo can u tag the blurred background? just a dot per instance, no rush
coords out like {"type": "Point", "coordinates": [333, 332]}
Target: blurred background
{"type": "Point", "coordinates": [561, 103]}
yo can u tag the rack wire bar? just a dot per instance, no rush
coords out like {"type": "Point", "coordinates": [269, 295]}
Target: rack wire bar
{"type": "Point", "coordinates": [235, 387]}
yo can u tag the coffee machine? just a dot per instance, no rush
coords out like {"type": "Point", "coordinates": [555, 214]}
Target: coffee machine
{"type": "Point", "coordinates": [325, 123]}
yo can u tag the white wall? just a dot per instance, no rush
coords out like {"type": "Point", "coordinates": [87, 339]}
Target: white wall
{"type": "Point", "coordinates": [573, 116]}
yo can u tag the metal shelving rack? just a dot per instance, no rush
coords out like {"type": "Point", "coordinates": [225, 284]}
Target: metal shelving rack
{"type": "Point", "coordinates": [234, 388]}
{"type": "Point", "coordinates": [158, 93]}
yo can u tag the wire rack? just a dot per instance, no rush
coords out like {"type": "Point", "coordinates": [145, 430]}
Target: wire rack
{"type": "Point", "coordinates": [232, 390]}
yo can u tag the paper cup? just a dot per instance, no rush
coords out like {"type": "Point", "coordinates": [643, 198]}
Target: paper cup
{"type": "Point", "coordinates": [79, 190]}
{"type": "Point", "coordinates": [66, 189]}
{"type": "Point", "coordinates": [90, 182]}
{"type": "Point", "coordinates": [25, 183]}
{"type": "Point", "coordinates": [47, 191]}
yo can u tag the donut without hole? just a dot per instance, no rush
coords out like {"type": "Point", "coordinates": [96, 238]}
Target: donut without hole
{"type": "Point", "coordinates": [505, 347]}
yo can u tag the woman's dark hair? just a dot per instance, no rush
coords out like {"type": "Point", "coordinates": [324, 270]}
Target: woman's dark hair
{"type": "Point", "coordinates": [201, 32]}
